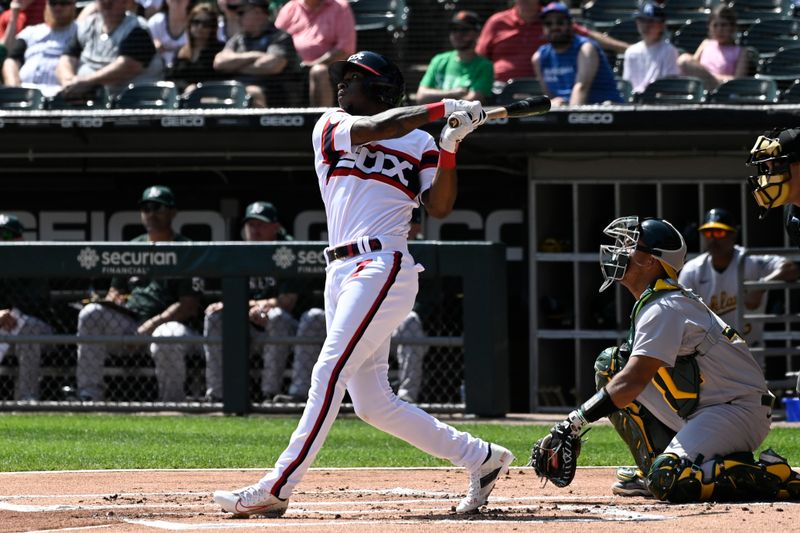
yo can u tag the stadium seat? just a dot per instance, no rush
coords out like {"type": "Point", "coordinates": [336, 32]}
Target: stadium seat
{"type": "Point", "coordinates": [20, 99]}
{"type": "Point", "coordinates": [783, 67]}
{"type": "Point", "coordinates": [745, 91]}
{"type": "Point", "coordinates": [217, 95]}
{"type": "Point", "coordinates": [624, 30]}
{"type": "Point", "coordinates": [97, 98]}
{"type": "Point", "coordinates": [689, 36]}
{"type": "Point", "coordinates": [519, 89]}
{"type": "Point", "coordinates": [158, 95]}
{"type": "Point", "coordinates": [626, 90]}
{"type": "Point", "coordinates": [605, 13]}
{"type": "Point", "coordinates": [381, 26]}
{"type": "Point", "coordinates": [792, 94]}
{"type": "Point", "coordinates": [767, 36]}
{"type": "Point", "coordinates": [679, 11]}
{"type": "Point", "coordinates": [674, 90]}
{"type": "Point", "coordinates": [749, 11]}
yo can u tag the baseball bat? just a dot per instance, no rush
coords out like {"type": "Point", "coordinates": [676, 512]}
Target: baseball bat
{"type": "Point", "coordinates": [532, 105]}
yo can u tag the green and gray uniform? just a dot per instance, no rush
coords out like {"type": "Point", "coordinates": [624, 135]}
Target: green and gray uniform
{"type": "Point", "coordinates": [148, 298]}
{"type": "Point", "coordinates": [28, 300]}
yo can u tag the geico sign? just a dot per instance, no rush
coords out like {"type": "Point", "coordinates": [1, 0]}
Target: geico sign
{"type": "Point", "coordinates": [183, 122]}
{"type": "Point", "coordinates": [292, 121]}
{"type": "Point", "coordinates": [590, 118]}
{"type": "Point", "coordinates": [81, 122]}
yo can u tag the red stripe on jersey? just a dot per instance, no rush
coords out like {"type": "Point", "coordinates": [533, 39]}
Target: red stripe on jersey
{"type": "Point", "coordinates": [429, 159]}
{"type": "Point", "coordinates": [374, 176]}
{"type": "Point", "coordinates": [337, 370]}
{"type": "Point", "coordinates": [326, 143]}
{"type": "Point", "coordinates": [402, 155]}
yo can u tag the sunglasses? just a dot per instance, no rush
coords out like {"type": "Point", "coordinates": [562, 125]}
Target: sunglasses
{"type": "Point", "coordinates": [715, 233]}
{"type": "Point", "coordinates": [61, 2]}
{"type": "Point", "coordinates": [8, 235]}
{"type": "Point", "coordinates": [460, 29]}
{"type": "Point", "coordinates": [152, 207]}
{"type": "Point", "coordinates": [206, 23]}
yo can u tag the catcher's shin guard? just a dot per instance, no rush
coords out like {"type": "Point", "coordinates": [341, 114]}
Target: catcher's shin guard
{"type": "Point", "coordinates": [734, 477]}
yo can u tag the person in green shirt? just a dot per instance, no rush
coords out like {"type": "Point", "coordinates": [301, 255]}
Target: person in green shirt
{"type": "Point", "coordinates": [460, 73]}
{"type": "Point", "coordinates": [24, 302]}
{"type": "Point", "coordinates": [144, 306]}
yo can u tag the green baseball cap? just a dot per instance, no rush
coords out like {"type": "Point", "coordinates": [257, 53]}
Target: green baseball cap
{"type": "Point", "coordinates": [11, 223]}
{"type": "Point", "coordinates": [261, 211]}
{"type": "Point", "coordinates": [158, 194]}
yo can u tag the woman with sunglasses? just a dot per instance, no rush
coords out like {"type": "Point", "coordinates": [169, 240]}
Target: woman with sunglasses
{"type": "Point", "coordinates": [33, 55]}
{"type": "Point", "coordinates": [194, 61]}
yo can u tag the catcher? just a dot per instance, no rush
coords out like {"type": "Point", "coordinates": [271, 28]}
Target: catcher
{"type": "Point", "coordinates": [684, 391]}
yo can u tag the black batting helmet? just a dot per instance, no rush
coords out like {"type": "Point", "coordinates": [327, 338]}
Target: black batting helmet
{"type": "Point", "coordinates": [383, 81]}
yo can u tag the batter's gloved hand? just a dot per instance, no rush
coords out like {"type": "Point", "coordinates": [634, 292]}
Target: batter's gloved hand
{"type": "Point", "coordinates": [555, 456]}
{"type": "Point", "coordinates": [473, 108]}
{"type": "Point", "coordinates": [451, 136]}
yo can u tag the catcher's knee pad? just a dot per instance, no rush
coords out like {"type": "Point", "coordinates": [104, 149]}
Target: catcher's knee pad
{"type": "Point", "coordinates": [645, 435]}
{"type": "Point", "coordinates": [789, 484]}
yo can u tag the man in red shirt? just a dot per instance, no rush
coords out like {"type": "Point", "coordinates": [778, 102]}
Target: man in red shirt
{"type": "Point", "coordinates": [323, 31]}
{"type": "Point", "coordinates": [509, 39]}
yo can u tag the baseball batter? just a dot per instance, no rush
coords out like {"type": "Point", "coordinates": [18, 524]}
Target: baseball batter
{"type": "Point", "coordinates": [692, 372]}
{"type": "Point", "coordinates": [374, 167]}
{"type": "Point", "coordinates": [714, 275]}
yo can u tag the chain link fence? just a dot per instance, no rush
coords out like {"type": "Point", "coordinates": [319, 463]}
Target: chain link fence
{"type": "Point", "coordinates": [77, 341]}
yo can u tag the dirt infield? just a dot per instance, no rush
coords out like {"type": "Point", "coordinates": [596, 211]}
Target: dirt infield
{"type": "Point", "coordinates": [362, 500]}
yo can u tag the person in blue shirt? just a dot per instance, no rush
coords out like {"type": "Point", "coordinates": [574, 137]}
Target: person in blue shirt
{"type": "Point", "coordinates": [572, 69]}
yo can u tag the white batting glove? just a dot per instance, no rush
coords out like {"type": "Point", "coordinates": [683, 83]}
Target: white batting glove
{"type": "Point", "coordinates": [473, 108]}
{"type": "Point", "coordinates": [451, 136]}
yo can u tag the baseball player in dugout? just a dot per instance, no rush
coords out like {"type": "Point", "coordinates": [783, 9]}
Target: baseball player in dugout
{"type": "Point", "coordinates": [374, 167]}
{"type": "Point", "coordinates": [714, 275]}
{"type": "Point", "coordinates": [684, 392]}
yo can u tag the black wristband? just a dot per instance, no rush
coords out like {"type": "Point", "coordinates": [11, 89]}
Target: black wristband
{"type": "Point", "coordinates": [598, 406]}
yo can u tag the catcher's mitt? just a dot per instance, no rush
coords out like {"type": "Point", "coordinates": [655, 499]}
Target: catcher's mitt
{"type": "Point", "coordinates": [555, 456]}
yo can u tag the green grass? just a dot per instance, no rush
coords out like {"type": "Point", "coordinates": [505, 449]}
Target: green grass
{"type": "Point", "coordinates": [89, 441]}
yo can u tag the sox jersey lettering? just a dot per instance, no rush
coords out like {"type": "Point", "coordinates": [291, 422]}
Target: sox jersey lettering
{"type": "Point", "coordinates": [355, 179]}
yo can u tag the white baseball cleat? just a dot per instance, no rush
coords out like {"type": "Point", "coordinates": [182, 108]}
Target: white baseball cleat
{"type": "Point", "coordinates": [482, 480]}
{"type": "Point", "coordinates": [251, 500]}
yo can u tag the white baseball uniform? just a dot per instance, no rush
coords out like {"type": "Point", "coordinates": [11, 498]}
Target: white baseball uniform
{"type": "Point", "coordinates": [719, 289]}
{"type": "Point", "coordinates": [369, 192]}
{"type": "Point", "coordinates": [730, 416]}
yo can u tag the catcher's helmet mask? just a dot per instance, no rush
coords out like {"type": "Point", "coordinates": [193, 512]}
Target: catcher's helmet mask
{"type": "Point", "coordinates": [383, 82]}
{"type": "Point", "coordinates": [777, 149]}
{"type": "Point", "coordinates": [654, 236]}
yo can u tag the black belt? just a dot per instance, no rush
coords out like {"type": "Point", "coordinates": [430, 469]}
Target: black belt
{"type": "Point", "coordinates": [350, 250]}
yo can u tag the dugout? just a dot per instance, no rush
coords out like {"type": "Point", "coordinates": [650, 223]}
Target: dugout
{"type": "Point", "coordinates": [544, 186]}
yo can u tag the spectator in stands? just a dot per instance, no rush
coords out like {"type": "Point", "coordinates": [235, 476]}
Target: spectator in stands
{"type": "Point", "coordinates": [572, 70]}
{"type": "Point", "coordinates": [714, 275]}
{"type": "Point", "coordinates": [323, 31]}
{"type": "Point", "coordinates": [23, 304]}
{"type": "Point", "coordinates": [653, 57]}
{"type": "Point", "coordinates": [229, 23]}
{"type": "Point", "coordinates": [20, 13]}
{"type": "Point", "coordinates": [111, 48]}
{"type": "Point", "coordinates": [270, 312]}
{"type": "Point", "coordinates": [195, 60]}
{"type": "Point", "coordinates": [509, 39]}
{"type": "Point", "coordinates": [261, 56]}
{"type": "Point", "coordinates": [144, 306]}
{"type": "Point", "coordinates": [168, 28]}
{"type": "Point", "coordinates": [718, 58]}
{"type": "Point", "coordinates": [34, 54]}
{"type": "Point", "coordinates": [460, 73]}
